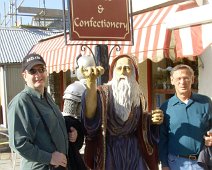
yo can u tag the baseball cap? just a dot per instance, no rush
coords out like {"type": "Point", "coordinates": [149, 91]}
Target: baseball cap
{"type": "Point", "coordinates": [31, 60]}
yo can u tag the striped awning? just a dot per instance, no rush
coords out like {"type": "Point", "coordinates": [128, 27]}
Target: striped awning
{"type": "Point", "coordinates": [151, 40]}
{"type": "Point", "coordinates": [192, 41]}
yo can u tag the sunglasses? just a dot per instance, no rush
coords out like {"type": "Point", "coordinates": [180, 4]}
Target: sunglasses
{"type": "Point", "coordinates": [34, 71]}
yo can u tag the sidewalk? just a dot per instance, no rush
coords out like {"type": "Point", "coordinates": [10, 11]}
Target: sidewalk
{"type": "Point", "coordinates": [6, 161]}
{"type": "Point", "coordinates": [6, 158]}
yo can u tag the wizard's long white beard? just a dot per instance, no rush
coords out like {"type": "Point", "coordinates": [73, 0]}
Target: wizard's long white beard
{"type": "Point", "coordinates": [126, 94]}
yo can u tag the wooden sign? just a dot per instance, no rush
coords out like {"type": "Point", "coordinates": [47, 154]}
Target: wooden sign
{"type": "Point", "coordinates": [99, 20]}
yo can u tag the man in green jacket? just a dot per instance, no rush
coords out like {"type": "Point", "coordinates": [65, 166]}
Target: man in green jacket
{"type": "Point", "coordinates": [36, 126]}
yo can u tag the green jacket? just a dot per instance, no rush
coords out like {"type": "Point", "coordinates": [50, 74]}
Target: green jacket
{"type": "Point", "coordinates": [27, 133]}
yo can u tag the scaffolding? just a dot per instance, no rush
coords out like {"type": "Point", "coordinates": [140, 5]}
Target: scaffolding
{"type": "Point", "coordinates": [10, 18]}
{"type": "Point", "coordinates": [40, 16]}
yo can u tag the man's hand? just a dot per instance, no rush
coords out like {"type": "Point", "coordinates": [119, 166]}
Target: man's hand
{"type": "Point", "coordinates": [157, 116]}
{"type": "Point", "coordinates": [72, 135]}
{"type": "Point", "coordinates": [58, 159]}
{"type": "Point", "coordinates": [208, 138]}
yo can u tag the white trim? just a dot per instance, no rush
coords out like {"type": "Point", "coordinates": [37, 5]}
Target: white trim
{"type": "Point", "coordinates": [189, 17]}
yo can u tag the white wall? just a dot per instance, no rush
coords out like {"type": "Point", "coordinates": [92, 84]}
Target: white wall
{"type": "Point", "coordinates": [2, 96]}
{"type": "Point", "coordinates": [143, 4]}
{"type": "Point", "coordinates": [205, 73]}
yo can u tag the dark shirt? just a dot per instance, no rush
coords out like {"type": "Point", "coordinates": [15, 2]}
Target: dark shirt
{"type": "Point", "coordinates": [27, 133]}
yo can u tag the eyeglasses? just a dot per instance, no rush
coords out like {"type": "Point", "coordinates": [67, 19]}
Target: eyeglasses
{"type": "Point", "coordinates": [186, 79]}
{"type": "Point", "coordinates": [34, 71]}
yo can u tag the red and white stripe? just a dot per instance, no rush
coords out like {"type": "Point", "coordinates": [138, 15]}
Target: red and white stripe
{"type": "Point", "coordinates": [151, 40]}
{"type": "Point", "coordinates": [192, 41]}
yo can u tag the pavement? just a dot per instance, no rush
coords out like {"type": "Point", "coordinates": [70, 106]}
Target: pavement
{"type": "Point", "coordinates": [7, 159]}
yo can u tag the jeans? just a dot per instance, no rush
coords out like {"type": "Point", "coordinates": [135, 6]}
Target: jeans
{"type": "Point", "coordinates": [178, 163]}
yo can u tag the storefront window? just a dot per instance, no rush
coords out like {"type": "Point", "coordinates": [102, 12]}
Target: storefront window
{"type": "Point", "coordinates": [161, 85]}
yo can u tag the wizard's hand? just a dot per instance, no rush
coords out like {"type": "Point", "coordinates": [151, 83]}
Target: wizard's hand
{"type": "Point", "coordinates": [157, 116]}
{"type": "Point", "coordinates": [91, 73]}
